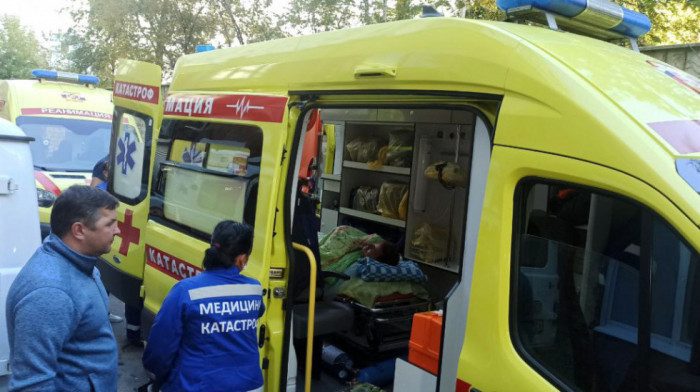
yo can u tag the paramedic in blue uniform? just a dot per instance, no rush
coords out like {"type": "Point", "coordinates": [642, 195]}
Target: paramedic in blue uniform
{"type": "Point", "coordinates": [205, 334]}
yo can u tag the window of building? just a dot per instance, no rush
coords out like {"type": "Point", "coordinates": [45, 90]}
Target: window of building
{"type": "Point", "coordinates": [580, 273]}
{"type": "Point", "coordinates": [204, 173]}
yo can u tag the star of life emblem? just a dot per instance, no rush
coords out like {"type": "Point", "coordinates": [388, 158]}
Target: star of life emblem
{"type": "Point", "coordinates": [126, 148]}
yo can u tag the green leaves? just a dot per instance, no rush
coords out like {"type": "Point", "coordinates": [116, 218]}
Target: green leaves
{"type": "Point", "coordinates": [157, 31]}
{"type": "Point", "coordinates": [20, 51]}
{"type": "Point", "coordinates": [161, 31]}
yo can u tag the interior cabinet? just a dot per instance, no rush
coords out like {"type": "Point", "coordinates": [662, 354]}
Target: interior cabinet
{"type": "Point", "coordinates": [435, 222]}
{"type": "Point", "coordinates": [384, 156]}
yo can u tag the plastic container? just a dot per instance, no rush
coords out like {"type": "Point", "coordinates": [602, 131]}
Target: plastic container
{"type": "Point", "coordinates": [632, 24]}
{"type": "Point", "coordinates": [424, 346]}
{"type": "Point", "coordinates": [390, 195]}
{"type": "Point", "coordinates": [366, 199]}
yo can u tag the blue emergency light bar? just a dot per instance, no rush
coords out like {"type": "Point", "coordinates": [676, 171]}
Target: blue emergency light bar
{"type": "Point", "coordinates": [65, 76]}
{"type": "Point", "coordinates": [599, 13]}
{"type": "Point", "coordinates": [203, 48]}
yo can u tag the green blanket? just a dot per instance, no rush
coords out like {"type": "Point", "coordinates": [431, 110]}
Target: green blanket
{"type": "Point", "coordinates": [340, 249]}
{"type": "Point", "coordinates": [364, 387]}
{"type": "Point", "coordinates": [340, 244]}
{"type": "Point", "coordinates": [367, 293]}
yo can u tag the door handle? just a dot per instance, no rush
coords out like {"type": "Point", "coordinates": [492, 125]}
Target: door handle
{"type": "Point", "coordinates": [261, 337]}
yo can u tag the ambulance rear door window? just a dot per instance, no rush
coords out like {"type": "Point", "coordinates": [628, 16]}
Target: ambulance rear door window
{"type": "Point", "coordinates": [204, 173]}
{"type": "Point", "coordinates": [130, 151]}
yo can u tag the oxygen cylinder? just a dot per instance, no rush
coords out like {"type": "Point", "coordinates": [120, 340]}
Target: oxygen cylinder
{"type": "Point", "coordinates": [337, 362]}
{"type": "Point", "coordinates": [379, 374]}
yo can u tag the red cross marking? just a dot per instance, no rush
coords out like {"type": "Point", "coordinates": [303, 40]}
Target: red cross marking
{"type": "Point", "coordinates": [129, 233]}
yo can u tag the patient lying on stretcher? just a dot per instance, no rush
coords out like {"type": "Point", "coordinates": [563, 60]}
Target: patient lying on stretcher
{"type": "Point", "coordinates": [374, 265]}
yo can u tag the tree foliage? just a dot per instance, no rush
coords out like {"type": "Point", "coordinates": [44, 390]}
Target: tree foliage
{"type": "Point", "coordinates": [20, 51]}
{"type": "Point", "coordinates": [102, 32]}
{"type": "Point", "coordinates": [313, 16]}
{"type": "Point", "coordinates": [161, 31]}
{"type": "Point", "coordinates": [247, 22]}
{"type": "Point", "coordinates": [479, 9]}
{"type": "Point", "coordinates": [673, 22]}
{"type": "Point", "coordinates": [157, 31]}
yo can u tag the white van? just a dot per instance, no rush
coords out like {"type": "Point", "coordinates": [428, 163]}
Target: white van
{"type": "Point", "coordinates": [19, 220]}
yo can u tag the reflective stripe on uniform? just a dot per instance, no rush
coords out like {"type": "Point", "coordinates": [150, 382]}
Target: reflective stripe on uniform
{"type": "Point", "coordinates": [225, 290]}
{"type": "Point", "coordinates": [132, 327]}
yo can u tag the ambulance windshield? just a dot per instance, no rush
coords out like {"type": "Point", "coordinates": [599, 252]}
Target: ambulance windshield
{"type": "Point", "coordinates": [66, 144]}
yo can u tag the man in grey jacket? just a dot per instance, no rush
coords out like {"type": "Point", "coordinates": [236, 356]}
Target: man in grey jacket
{"type": "Point", "coordinates": [57, 308]}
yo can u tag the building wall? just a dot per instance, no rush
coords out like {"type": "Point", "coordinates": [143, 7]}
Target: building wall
{"type": "Point", "coordinates": [685, 57]}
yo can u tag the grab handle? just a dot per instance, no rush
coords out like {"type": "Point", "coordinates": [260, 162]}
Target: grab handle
{"type": "Point", "coordinates": [375, 70]}
{"type": "Point", "coordinates": [312, 307]}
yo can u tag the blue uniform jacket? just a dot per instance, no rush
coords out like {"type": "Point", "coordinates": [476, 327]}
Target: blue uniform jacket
{"type": "Point", "coordinates": [205, 334]}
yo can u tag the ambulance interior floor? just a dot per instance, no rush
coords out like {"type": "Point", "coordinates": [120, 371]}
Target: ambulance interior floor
{"type": "Point", "coordinates": [328, 383]}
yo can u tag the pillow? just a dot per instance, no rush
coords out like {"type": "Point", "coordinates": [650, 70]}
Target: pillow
{"type": "Point", "coordinates": [371, 270]}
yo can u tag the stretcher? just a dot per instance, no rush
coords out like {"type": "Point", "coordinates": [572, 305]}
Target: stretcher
{"type": "Point", "coordinates": [383, 328]}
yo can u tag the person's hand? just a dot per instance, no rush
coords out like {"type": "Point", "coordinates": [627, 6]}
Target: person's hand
{"type": "Point", "coordinates": [373, 251]}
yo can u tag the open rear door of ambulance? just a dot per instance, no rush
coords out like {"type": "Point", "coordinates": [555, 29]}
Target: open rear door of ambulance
{"type": "Point", "coordinates": [217, 158]}
{"type": "Point", "coordinates": [138, 108]}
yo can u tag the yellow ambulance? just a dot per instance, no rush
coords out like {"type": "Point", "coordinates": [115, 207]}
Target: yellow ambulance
{"type": "Point", "coordinates": [69, 119]}
{"type": "Point", "coordinates": [545, 183]}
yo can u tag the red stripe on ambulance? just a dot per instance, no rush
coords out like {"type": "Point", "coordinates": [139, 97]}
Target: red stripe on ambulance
{"type": "Point", "coordinates": [258, 108]}
{"type": "Point", "coordinates": [47, 183]}
{"type": "Point", "coordinates": [170, 265]}
{"type": "Point", "coordinates": [67, 112]}
{"type": "Point", "coordinates": [463, 386]}
{"type": "Point", "coordinates": [136, 92]}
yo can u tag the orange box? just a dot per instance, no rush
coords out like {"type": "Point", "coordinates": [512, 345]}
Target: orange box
{"type": "Point", "coordinates": [424, 346]}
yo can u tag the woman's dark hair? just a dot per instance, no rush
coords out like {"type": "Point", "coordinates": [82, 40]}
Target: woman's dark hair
{"type": "Point", "coordinates": [229, 240]}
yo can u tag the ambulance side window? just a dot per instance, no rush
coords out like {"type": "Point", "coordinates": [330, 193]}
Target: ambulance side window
{"type": "Point", "coordinates": [205, 172]}
{"type": "Point", "coordinates": [129, 157]}
{"type": "Point", "coordinates": [674, 360]}
{"type": "Point", "coordinates": [580, 271]}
